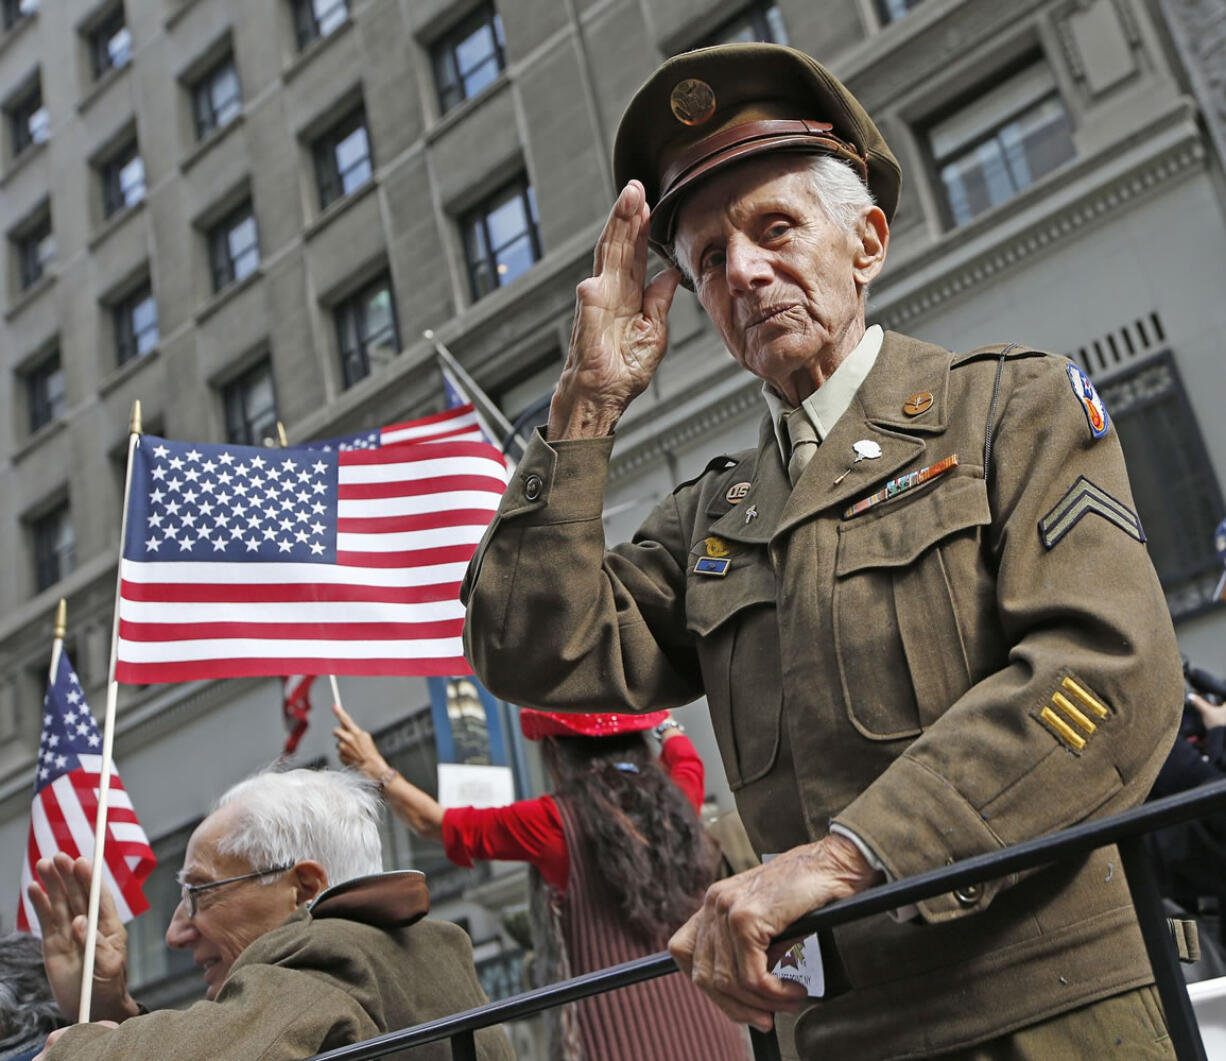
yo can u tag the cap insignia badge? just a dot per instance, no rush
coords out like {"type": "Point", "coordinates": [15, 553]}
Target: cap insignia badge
{"type": "Point", "coordinates": [692, 101]}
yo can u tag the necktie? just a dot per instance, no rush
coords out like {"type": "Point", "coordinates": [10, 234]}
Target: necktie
{"type": "Point", "coordinates": [803, 438]}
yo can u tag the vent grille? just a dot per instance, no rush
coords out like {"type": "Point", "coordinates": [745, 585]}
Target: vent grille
{"type": "Point", "coordinates": [1142, 336]}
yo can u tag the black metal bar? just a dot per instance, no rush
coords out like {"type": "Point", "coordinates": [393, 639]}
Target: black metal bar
{"type": "Point", "coordinates": [765, 1045]}
{"type": "Point", "coordinates": [464, 1046]}
{"type": "Point", "coordinates": [1026, 855]}
{"type": "Point", "coordinates": [1163, 957]}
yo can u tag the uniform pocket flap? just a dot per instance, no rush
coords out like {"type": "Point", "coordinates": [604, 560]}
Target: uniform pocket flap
{"type": "Point", "coordinates": [904, 528]}
{"type": "Point", "coordinates": [711, 600]}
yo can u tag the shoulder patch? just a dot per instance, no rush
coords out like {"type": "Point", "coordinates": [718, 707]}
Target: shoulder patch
{"type": "Point", "coordinates": [1081, 499]}
{"type": "Point", "coordinates": [1091, 403]}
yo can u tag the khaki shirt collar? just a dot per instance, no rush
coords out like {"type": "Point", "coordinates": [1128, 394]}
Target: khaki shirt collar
{"type": "Point", "coordinates": [833, 398]}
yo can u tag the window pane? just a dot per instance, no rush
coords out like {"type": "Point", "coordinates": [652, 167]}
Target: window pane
{"type": "Point", "coordinates": [507, 221]}
{"type": "Point", "coordinates": [224, 94]}
{"type": "Point", "coordinates": [353, 160]}
{"type": "Point", "coordinates": [119, 47]}
{"type": "Point", "coordinates": [39, 125]}
{"type": "Point", "coordinates": [514, 259]}
{"type": "Point", "coordinates": [1037, 142]}
{"type": "Point", "coordinates": [132, 181]}
{"type": "Point", "coordinates": [241, 242]}
{"type": "Point", "coordinates": [145, 324]}
{"type": "Point", "coordinates": [380, 327]}
{"type": "Point", "coordinates": [329, 14]}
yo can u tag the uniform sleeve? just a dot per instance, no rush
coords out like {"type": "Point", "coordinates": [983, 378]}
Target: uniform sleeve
{"type": "Point", "coordinates": [1079, 719]}
{"type": "Point", "coordinates": [527, 831]}
{"type": "Point", "coordinates": [553, 620]}
{"type": "Point", "coordinates": [684, 765]}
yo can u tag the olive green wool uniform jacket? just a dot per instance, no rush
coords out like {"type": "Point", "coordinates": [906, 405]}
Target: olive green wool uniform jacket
{"type": "Point", "coordinates": [914, 672]}
{"type": "Point", "coordinates": [310, 985]}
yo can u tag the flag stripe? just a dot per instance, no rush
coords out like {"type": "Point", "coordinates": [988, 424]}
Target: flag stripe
{"type": "Point", "coordinates": [196, 670]}
{"type": "Point", "coordinates": [446, 554]}
{"type": "Point", "coordinates": [322, 615]}
{"type": "Point", "coordinates": [455, 517]}
{"type": "Point", "coordinates": [324, 577]}
{"type": "Point", "coordinates": [288, 593]}
{"type": "Point", "coordinates": [287, 650]}
{"type": "Point", "coordinates": [151, 632]}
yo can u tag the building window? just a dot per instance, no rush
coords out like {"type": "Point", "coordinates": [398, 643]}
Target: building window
{"type": "Point", "coordinates": [110, 43]}
{"type": "Point", "coordinates": [35, 247]}
{"type": "Point", "coordinates": [234, 247]}
{"type": "Point", "coordinates": [217, 97]}
{"type": "Point", "coordinates": [1172, 477]}
{"type": "Point", "coordinates": [1002, 141]}
{"type": "Point", "coordinates": [469, 58]}
{"type": "Point", "coordinates": [318, 18]}
{"type": "Point", "coordinates": [55, 550]}
{"type": "Point", "coordinates": [29, 121]}
{"type": "Point", "coordinates": [759, 22]}
{"type": "Point", "coordinates": [135, 318]}
{"type": "Point", "coordinates": [500, 237]}
{"type": "Point", "coordinates": [149, 960]}
{"type": "Point", "coordinates": [366, 329]}
{"type": "Point", "coordinates": [251, 406]}
{"type": "Point", "coordinates": [45, 392]}
{"type": "Point", "coordinates": [891, 10]}
{"type": "Point", "coordinates": [13, 11]}
{"type": "Point", "coordinates": [342, 158]}
{"type": "Point", "coordinates": [123, 179]}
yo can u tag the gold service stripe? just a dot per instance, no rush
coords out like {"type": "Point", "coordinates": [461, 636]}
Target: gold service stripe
{"type": "Point", "coordinates": [1085, 697]}
{"type": "Point", "coordinates": [1062, 728]}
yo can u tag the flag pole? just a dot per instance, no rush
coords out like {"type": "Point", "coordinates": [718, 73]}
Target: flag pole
{"type": "Point", "coordinates": [283, 439]}
{"type": "Point", "coordinates": [108, 744]}
{"type": "Point", "coordinates": [57, 637]}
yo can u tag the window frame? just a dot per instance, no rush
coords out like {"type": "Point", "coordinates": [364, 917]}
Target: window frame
{"type": "Point", "coordinates": [55, 557]}
{"type": "Point", "coordinates": [451, 93]}
{"type": "Point", "coordinates": [22, 109]}
{"type": "Point", "coordinates": [32, 265]}
{"type": "Point", "coordinates": [886, 18]}
{"type": "Point", "coordinates": [520, 186]}
{"type": "Point", "coordinates": [307, 20]}
{"type": "Point", "coordinates": [329, 179]}
{"type": "Point", "coordinates": [45, 404]}
{"type": "Point", "coordinates": [223, 264]}
{"type": "Point", "coordinates": [242, 428]}
{"type": "Point", "coordinates": [757, 15]}
{"type": "Point", "coordinates": [11, 13]}
{"type": "Point", "coordinates": [114, 197]}
{"type": "Point", "coordinates": [207, 116]}
{"type": "Point", "coordinates": [99, 38]}
{"type": "Point", "coordinates": [129, 340]}
{"type": "Point", "coordinates": [349, 317]}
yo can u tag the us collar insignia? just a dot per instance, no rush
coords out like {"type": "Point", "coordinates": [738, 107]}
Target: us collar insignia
{"type": "Point", "coordinates": [1096, 412]}
{"type": "Point", "coordinates": [737, 493]}
{"type": "Point", "coordinates": [901, 485]}
{"type": "Point", "coordinates": [692, 101]}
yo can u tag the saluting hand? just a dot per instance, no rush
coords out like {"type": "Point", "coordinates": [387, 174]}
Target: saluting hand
{"type": "Point", "coordinates": [723, 947]}
{"type": "Point", "coordinates": [355, 747]}
{"type": "Point", "coordinates": [620, 330]}
{"type": "Point", "coordinates": [60, 897]}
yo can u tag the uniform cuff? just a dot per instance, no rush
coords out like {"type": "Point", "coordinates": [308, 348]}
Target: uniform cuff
{"type": "Point", "coordinates": [559, 482]}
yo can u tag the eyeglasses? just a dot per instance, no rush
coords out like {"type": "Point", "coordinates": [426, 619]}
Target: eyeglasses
{"type": "Point", "coordinates": [189, 892]}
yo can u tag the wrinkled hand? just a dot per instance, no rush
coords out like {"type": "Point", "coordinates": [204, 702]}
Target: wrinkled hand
{"type": "Point", "coordinates": [723, 947]}
{"type": "Point", "coordinates": [620, 330]}
{"type": "Point", "coordinates": [1212, 715]}
{"type": "Point", "coordinates": [355, 747]}
{"type": "Point", "coordinates": [61, 903]}
{"type": "Point", "coordinates": [59, 1033]}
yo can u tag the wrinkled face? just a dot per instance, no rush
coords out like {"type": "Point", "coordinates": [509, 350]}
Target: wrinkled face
{"type": "Point", "coordinates": [231, 916]}
{"type": "Point", "coordinates": [780, 281]}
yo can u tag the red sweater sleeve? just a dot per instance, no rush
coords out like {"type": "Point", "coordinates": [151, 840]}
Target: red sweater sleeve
{"type": "Point", "coordinates": [680, 758]}
{"type": "Point", "coordinates": [527, 831]}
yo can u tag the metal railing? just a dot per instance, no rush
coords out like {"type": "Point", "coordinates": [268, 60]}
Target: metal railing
{"type": "Point", "coordinates": [1127, 829]}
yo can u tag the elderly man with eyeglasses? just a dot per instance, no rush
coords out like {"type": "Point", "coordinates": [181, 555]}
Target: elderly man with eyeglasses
{"type": "Point", "coordinates": [293, 963]}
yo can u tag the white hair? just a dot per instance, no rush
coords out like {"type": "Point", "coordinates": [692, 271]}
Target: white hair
{"type": "Point", "coordinates": [328, 816]}
{"type": "Point", "coordinates": [839, 189]}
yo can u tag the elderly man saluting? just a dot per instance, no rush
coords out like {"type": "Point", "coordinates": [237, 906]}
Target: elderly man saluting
{"type": "Point", "coordinates": [292, 966]}
{"type": "Point", "coordinates": [921, 610]}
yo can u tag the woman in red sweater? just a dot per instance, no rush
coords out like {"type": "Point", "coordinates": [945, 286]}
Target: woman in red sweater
{"type": "Point", "coordinates": [619, 859]}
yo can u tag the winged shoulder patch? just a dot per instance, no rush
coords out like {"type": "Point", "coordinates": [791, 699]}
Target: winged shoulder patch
{"type": "Point", "coordinates": [1081, 499]}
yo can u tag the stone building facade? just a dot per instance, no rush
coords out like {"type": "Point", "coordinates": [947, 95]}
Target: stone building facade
{"type": "Point", "coordinates": [241, 213]}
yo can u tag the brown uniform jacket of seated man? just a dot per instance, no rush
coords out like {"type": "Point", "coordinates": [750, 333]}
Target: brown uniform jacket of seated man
{"type": "Point", "coordinates": [956, 644]}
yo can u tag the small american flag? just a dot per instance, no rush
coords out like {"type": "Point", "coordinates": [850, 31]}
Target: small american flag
{"type": "Point", "coordinates": [64, 812]}
{"type": "Point", "coordinates": [296, 706]}
{"type": "Point", "coordinates": [458, 424]}
{"type": "Point", "coordinates": [242, 561]}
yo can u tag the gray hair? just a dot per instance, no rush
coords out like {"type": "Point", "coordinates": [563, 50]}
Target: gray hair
{"type": "Point", "coordinates": [328, 816]}
{"type": "Point", "coordinates": [28, 1010]}
{"type": "Point", "coordinates": [839, 189]}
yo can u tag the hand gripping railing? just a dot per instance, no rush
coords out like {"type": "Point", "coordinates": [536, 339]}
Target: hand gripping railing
{"type": "Point", "coordinates": [1127, 830]}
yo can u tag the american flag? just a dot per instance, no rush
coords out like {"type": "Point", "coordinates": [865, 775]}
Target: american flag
{"type": "Point", "coordinates": [64, 813]}
{"type": "Point", "coordinates": [296, 706]}
{"type": "Point", "coordinates": [457, 424]}
{"type": "Point", "coordinates": [243, 561]}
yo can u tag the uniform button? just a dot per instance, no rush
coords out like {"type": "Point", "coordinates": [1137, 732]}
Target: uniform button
{"type": "Point", "coordinates": [969, 894]}
{"type": "Point", "coordinates": [532, 487]}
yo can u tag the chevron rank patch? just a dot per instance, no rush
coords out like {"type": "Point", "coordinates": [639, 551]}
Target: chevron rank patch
{"type": "Point", "coordinates": [1082, 499]}
{"type": "Point", "coordinates": [1072, 714]}
{"type": "Point", "coordinates": [1096, 412]}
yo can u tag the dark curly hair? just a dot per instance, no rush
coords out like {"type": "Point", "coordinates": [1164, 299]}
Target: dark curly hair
{"type": "Point", "coordinates": [639, 828]}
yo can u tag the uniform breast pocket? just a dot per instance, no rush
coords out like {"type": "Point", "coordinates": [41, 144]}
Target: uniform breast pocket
{"type": "Point", "coordinates": [733, 620]}
{"type": "Point", "coordinates": [899, 638]}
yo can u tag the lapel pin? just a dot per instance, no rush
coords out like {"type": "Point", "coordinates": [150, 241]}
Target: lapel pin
{"type": "Point", "coordinates": [736, 492]}
{"type": "Point", "coordinates": [751, 513]}
{"type": "Point", "coordinates": [866, 449]}
{"type": "Point", "coordinates": [917, 403]}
